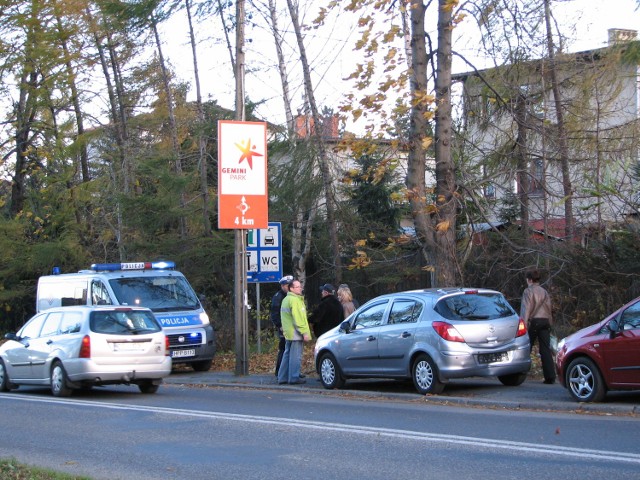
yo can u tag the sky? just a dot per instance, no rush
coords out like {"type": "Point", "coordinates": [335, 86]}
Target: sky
{"type": "Point", "coordinates": [332, 59]}
{"type": "Point", "coordinates": [595, 17]}
{"type": "Point", "coordinates": [330, 50]}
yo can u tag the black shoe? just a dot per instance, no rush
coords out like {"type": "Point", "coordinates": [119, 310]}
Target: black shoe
{"type": "Point", "coordinates": [282, 383]}
{"type": "Point", "coordinates": [298, 382]}
{"type": "Point", "coordinates": [550, 381]}
{"type": "Point", "coordinates": [302, 375]}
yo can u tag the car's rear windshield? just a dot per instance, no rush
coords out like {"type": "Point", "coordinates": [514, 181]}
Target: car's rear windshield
{"type": "Point", "coordinates": [474, 306]}
{"type": "Point", "coordinates": [123, 322]}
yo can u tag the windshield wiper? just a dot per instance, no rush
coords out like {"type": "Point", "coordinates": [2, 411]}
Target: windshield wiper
{"type": "Point", "coordinates": [175, 308]}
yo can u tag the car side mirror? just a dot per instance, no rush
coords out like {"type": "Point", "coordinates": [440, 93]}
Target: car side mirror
{"type": "Point", "coordinates": [345, 326]}
{"type": "Point", "coordinates": [613, 328]}
{"type": "Point", "coordinates": [11, 336]}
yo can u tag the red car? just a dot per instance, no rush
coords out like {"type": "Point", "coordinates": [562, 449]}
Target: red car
{"type": "Point", "coordinates": [602, 357]}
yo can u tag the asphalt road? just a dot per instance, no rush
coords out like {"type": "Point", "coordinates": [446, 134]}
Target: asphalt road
{"type": "Point", "coordinates": [218, 425]}
{"type": "Point", "coordinates": [194, 430]}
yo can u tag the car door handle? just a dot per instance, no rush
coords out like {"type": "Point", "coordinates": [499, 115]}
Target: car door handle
{"type": "Point", "coordinates": [49, 342]}
{"type": "Point", "coordinates": [370, 338]}
{"type": "Point", "coordinates": [405, 334]}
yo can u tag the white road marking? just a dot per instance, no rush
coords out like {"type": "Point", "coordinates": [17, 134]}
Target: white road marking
{"type": "Point", "coordinates": [610, 456]}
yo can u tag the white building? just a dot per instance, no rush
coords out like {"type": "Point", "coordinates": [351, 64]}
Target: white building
{"type": "Point", "coordinates": [513, 147]}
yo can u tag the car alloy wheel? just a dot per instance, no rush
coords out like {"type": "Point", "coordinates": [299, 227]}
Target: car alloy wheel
{"type": "Point", "coordinates": [59, 386]}
{"type": "Point", "coordinates": [425, 376]}
{"type": "Point", "coordinates": [584, 381]}
{"type": "Point", "coordinates": [330, 373]}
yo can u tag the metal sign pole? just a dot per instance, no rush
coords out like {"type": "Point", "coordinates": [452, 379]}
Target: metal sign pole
{"type": "Point", "coordinates": [258, 318]}
{"type": "Point", "coordinates": [242, 351]}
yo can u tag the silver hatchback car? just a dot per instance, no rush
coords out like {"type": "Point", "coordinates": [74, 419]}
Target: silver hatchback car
{"type": "Point", "coordinates": [430, 336]}
{"type": "Point", "coordinates": [78, 347]}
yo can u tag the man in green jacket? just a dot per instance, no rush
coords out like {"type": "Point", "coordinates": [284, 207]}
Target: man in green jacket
{"type": "Point", "coordinates": [296, 331]}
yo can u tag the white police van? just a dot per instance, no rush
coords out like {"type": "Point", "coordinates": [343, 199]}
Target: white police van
{"type": "Point", "coordinates": [155, 285]}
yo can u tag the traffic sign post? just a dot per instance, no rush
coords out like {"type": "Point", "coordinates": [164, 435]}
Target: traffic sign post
{"type": "Point", "coordinates": [264, 254]}
{"type": "Point", "coordinates": [264, 261]}
{"type": "Point", "coordinates": [242, 199]}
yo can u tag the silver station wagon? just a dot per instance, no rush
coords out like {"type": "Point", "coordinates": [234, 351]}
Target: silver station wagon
{"type": "Point", "coordinates": [430, 336]}
{"type": "Point", "coordinates": [80, 347]}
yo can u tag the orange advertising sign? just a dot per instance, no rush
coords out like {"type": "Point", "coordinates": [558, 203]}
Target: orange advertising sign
{"type": "Point", "coordinates": [242, 175]}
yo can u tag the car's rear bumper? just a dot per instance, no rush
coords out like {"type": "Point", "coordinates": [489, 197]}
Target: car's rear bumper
{"type": "Point", "coordinates": [461, 365]}
{"type": "Point", "coordinates": [90, 371]}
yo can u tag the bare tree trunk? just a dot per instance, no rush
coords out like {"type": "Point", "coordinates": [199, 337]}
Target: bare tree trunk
{"type": "Point", "coordinates": [445, 227]}
{"type": "Point", "coordinates": [418, 128]}
{"type": "Point", "coordinates": [173, 129]}
{"type": "Point", "coordinates": [118, 119]}
{"type": "Point", "coordinates": [522, 167]}
{"type": "Point", "coordinates": [562, 136]}
{"type": "Point", "coordinates": [301, 244]}
{"type": "Point", "coordinates": [302, 229]}
{"type": "Point", "coordinates": [435, 227]}
{"type": "Point", "coordinates": [83, 165]}
{"type": "Point", "coordinates": [322, 153]}
{"type": "Point", "coordinates": [226, 35]}
{"type": "Point", "coordinates": [202, 141]}
{"type": "Point", "coordinates": [25, 115]}
{"type": "Point", "coordinates": [75, 98]}
{"type": "Point", "coordinates": [282, 69]}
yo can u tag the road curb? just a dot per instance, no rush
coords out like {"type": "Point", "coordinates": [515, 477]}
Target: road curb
{"type": "Point", "coordinates": [532, 396]}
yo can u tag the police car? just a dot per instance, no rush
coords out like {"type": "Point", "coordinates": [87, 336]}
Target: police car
{"type": "Point", "coordinates": [154, 285]}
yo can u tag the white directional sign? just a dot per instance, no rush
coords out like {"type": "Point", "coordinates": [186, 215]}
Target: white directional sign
{"type": "Point", "coordinates": [242, 175]}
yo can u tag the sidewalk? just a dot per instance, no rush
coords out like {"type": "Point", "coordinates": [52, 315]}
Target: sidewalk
{"type": "Point", "coordinates": [471, 392]}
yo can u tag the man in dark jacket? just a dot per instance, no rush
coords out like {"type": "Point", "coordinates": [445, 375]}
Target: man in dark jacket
{"type": "Point", "coordinates": [274, 312]}
{"type": "Point", "coordinates": [328, 313]}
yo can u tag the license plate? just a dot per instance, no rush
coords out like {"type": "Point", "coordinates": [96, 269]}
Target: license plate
{"type": "Point", "coordinates": [183, 353]}
{"type": "Point", "coordinates": [128, 347]}
{"type": "Point", "coordinates": [493, 357]}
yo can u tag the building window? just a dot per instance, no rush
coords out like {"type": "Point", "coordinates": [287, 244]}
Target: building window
{"type": "Point", "coordinates": [537, 177]}
{"type": "Point", "coordinates": [490, 191]}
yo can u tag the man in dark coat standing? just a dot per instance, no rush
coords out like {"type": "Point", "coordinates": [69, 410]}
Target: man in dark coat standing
{"type": "Point", "coordinates": [328, 313]}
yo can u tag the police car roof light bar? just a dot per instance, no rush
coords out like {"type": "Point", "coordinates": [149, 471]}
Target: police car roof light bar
{"type": "Point", "coordinates": [110, 267]}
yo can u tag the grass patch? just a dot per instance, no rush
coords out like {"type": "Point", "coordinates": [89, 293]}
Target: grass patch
{"type": "Point", "coordinates": [12, 470]}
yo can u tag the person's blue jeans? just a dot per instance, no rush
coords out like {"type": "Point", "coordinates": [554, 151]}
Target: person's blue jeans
{"type": "Point", "coordinates": [289, 371]}
{"type": "Point", "coordinates": [281, 345]}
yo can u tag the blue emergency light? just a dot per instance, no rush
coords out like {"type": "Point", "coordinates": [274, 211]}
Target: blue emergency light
{"type": "Point", "coordinates": [110, 267]}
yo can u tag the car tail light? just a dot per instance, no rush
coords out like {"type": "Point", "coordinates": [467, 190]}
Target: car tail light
{"type": "Point", "coordinates": [522, 328]}
{"type": "Point", "coordinates": [448, 332]}
{"type": "Point", "coordinates": [166, 346]}
{"type": "Point", "coordinates": [85, 347]}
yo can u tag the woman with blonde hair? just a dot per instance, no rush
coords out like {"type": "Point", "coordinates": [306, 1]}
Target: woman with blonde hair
{"type": "Point", "coordinates": [346, 299]}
